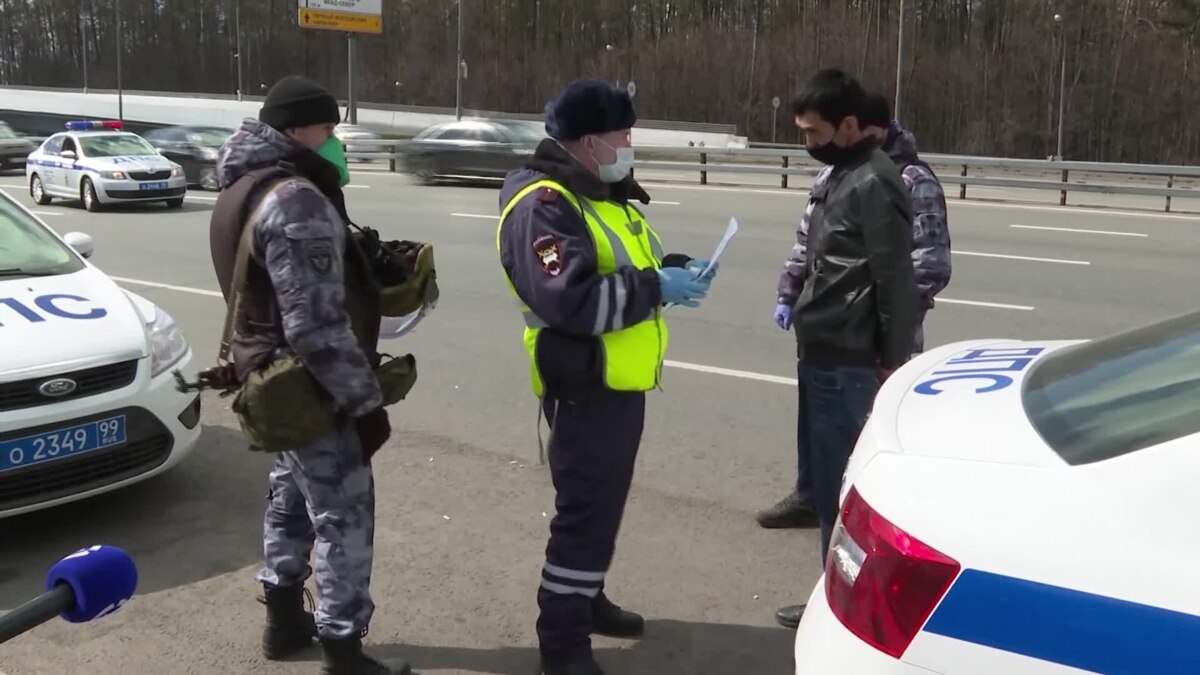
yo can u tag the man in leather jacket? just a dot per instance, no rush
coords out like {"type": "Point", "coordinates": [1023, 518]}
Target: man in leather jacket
{"type": "Point", "coordinates": [856, 313]}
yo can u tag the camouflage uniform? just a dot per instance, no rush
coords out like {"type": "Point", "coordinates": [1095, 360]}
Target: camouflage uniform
{"type": "Point", "coordinates": [322, 494]}
{"type": "Point", "coordinates": [931, 230]}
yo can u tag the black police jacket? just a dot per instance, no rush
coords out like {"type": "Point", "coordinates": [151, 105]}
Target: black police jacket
{"type": "Point", "coordinates": [858, 305]}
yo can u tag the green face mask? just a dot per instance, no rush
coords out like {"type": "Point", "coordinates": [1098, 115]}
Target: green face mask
{"type": "Point", "coordinates": [334, 152]}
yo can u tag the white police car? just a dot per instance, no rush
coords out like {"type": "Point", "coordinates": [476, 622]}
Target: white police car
{"type": "Point", "coordinates": [1021, 508]}
{"type": "Point", "coordinates": [87, 400]}
{"type": "Point", "coordinates": [100, 164]}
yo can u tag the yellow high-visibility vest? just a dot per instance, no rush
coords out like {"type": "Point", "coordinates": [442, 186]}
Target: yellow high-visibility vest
{"type": "Point", "coordinates": [633, 355]}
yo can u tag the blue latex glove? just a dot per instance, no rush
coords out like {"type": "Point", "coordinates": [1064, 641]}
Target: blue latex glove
{"type": "Point", "coordinates": [679, 286]}
{"type": "Point", "coordinates": [783, 316]}
{"type": "Point", "coordinates": [697, 265]}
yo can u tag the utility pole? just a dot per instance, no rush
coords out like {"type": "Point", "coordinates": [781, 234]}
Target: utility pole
{"type": "Point", "coordinates": [351, 105]}
{"type": "Point", "coordinates": [83, 44]}
{"type": "Point", "coordinates": [120, 48]}
{"type": "Point", "coordinates": [237, 27]}
{"type": "Point", "coordinates": [899, 64]}
{"type": "Point", "coordinates": [1062, 83]}
{"type": "Point", "coordinates": [458, 66]}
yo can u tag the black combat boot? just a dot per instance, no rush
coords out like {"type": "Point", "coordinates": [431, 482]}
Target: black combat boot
{"type": "Point", "coordinates": [609, 619]}
{"type": "Point", "coordinates": [346, 657]}
{"type": "Point", "coordinates": [791, 511]}
{"type": "Point", "coordinates": [289, 628]}
{"type": "Point", "coordinates": [587, 666]}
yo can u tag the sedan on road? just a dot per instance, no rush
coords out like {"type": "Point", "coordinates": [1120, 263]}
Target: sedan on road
{"type": "Point", "coordinates": [14, 148]}
{"type": "Point", "coordinates": [470, 149]}
{"type": "Point", "coordinates": [98, 163]}
{"type": "Point", "coordinates": [1021, 507]}
{"type": "Point", "coordinates": [193, 148]}
{"type": "Point", "coordinates": [87, 397]}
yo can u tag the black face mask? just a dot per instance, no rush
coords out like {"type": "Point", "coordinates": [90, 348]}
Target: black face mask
{"type": "Point", "coordinates": [828, 153]}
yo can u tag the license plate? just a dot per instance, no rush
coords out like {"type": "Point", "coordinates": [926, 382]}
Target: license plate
{"type": "Point", "coordinates": [68, 442]}
{"type": "Point", "coordinates": [157, 185]}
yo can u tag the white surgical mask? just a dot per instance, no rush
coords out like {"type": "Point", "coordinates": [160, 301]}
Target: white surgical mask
{"type": "Point", "coordinates": [619, 169]}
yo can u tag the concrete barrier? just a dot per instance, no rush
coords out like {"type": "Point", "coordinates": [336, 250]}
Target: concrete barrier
{"type": "Point", "coordinates": [162, 109]}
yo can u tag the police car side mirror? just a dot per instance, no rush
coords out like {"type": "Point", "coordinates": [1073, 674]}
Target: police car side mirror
{"type": "Point", "coordinates": [81, 242]}
{"type": "Point", "coordinates": [68, 154]}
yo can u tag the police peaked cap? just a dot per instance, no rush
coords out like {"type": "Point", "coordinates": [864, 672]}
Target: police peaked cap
{"type": "Point", "coordinates": [587, 107]}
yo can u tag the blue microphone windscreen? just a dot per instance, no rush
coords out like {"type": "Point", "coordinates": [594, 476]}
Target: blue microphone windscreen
{"type": "Point", "coordinates": [102, 577]}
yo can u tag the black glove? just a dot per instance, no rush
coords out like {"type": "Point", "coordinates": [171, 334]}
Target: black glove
{"type": "Point", "coordinates": [373, 432]}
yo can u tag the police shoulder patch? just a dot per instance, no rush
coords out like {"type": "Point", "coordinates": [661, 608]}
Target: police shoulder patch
{"type": "Point", "coordinates": [318, 254]}
{"type": "Point", "coordinates": [549, 255]}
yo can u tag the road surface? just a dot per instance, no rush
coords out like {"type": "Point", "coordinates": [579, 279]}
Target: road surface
{"type": "Point", "coordinates": [462, 504]}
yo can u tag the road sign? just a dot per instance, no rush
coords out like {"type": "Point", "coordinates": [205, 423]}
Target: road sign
{"type": "Point", "coordinates": [775, 102]}
{"type": "Point", "coordinates": [631, 88]}
{"type": "Point", "coordinates": [353, 16]}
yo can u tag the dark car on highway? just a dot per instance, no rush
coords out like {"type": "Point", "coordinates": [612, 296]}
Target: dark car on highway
{"type": "Point", "coordinates": [193, 148]}
{"type": "Point", "coordinates": [470, 149]}
{"type": "Point", "coordinates": [14, 148]}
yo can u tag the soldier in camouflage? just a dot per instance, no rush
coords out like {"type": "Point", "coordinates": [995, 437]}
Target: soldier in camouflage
{"type": "Point", "coordinates": [931, 264]}
{"type": "Point", "coordinates": [321, 495]}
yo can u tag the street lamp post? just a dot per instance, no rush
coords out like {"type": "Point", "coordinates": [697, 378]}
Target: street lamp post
{"type": "Point", "coordinates": [120, 48]}
{"type": "Point", "coordinates": [899, 63]}
{"type": "Point", "coordinates": [1062, 83]}
{"type": "Point", "coordinates": [237, 26]}
{"type": "Point", "coordinates": [458, 66]}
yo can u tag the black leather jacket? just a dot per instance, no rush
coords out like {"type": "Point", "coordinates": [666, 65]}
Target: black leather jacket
{"type": "Point", "coordinates": [859, 301]}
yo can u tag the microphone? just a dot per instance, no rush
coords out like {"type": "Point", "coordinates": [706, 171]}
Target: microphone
{"type": "Point", "coordinates": [88, 584]}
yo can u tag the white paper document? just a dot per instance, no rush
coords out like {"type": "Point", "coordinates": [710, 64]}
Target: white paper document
{"type": "Point", "coordinates": [730, 231]}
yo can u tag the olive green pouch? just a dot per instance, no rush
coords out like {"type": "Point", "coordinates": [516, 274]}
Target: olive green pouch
{"type": "Point", "coordinates": [281, 407]}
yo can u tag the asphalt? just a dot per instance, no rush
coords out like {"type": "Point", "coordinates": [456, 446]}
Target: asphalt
{"type": "Point", "coordinates": [463, 506]}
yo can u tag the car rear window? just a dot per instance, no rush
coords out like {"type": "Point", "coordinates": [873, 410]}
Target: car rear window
{"type": "Point", "coordinates": [1119, 394]}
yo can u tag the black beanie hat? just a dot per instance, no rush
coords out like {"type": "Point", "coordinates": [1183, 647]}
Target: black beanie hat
{"type": "Point", "coordinates": [295, 101]}
{"type": "Point", "coordinates": [589, 107]}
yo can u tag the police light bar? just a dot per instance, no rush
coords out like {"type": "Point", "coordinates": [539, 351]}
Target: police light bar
{"type": "Point", "coordinates": [82, 125]}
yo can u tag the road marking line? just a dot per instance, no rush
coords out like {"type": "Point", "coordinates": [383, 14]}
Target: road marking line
{"type": "Point", "coordinates": [728, 372]}
{"type": "Point", "coordinates": [48, 213]}
{"type": "Point", "coordinates": [169, 287]}
{"type": "Point", "coordinates": [1021, 257]}
{"type": "Point", "coordinates": [1073, 229]}
{"type": "Point", "coordinates": [474, 215]}
{"type": "Point", "coordinates": [979, 303]}
{"type": "Point", "coordinates": [359, 187]}
{"type": "Point", "coordinates": [657, 201]}
{"type": "Point", "coordinates": [201, 199]}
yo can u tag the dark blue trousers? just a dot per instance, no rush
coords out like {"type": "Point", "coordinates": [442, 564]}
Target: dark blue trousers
{"type": "Point", "coordinates": [593, 446]}
{"type": "Point", "coordinates": [833, 406]}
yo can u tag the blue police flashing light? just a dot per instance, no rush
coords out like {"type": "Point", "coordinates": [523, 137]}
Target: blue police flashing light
{"type": "Point", "coordinates": [84, 125]}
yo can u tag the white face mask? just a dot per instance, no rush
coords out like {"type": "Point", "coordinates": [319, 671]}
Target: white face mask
{"type": "Point", "coordinates": [619, 169]}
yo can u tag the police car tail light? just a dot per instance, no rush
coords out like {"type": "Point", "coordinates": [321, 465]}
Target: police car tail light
{"type": "Point", "coordinates": [881, 582]}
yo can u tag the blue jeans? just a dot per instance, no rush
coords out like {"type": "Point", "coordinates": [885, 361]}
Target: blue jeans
{"type": "Point", "coordinates": [833, 407]}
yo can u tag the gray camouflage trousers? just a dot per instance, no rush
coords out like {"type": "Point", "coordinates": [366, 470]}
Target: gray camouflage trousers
{"type": "Point", "coordinates": [322, 496]}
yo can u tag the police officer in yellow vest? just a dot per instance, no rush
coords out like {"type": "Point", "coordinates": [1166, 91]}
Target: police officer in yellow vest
{"type": "Point", "coordinates": [590, 278]}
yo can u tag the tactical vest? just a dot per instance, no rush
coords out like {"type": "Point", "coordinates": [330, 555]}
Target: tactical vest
{"type": "Point", "coordinates": [633, 356]}
{"type": "Point", "coordinates": [258, 326]}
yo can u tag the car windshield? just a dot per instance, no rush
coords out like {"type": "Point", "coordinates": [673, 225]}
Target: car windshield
{"type": "Point", "coordinates": [115, 145]}
{"type": "Point", "coordinates": [211, 137]}
{"type": "Point", "coordinates": [28, 249]}
{"type": "Point", "coordinates": [1118, 394]}
{"type": "Point", "coordinates": [7, 132]}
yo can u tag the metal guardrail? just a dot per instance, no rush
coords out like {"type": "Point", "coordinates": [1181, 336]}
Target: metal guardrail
{"type": "Point", "coordinates": [796, 162]}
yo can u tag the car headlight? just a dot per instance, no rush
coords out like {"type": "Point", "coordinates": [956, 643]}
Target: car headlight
{"type": "Point", "coordinates": [176, 171]}
{"type": "Point", "coordinates": [208, 153]}
{"type": "Point", "coordinates": [113, 175]}
{"type": "Point", "coordinates": [167, 344]}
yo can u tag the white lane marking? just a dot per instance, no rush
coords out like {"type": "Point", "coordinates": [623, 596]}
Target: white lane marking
{"type": "Point", "coordinates": [980, 303]}
{"type": "Point", "coordinates": [359, 187]}
{"type": "Point", "coordinates": [728, 372]}
{"type": "Point", "coordinates": [1022, 257]}
{"type": "Point", "coordinates": [169, 287]}
{"type": "Point", "coordinates": [474, 215]}
{"type": "Point", "coordinates": [200, 199]}
{"type": "Point", "coordinates": [659, 201]}
{"type": "Point", "coordinates": [48, 213]}
{"type": "Point", "coordinates": [1073, 229]}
